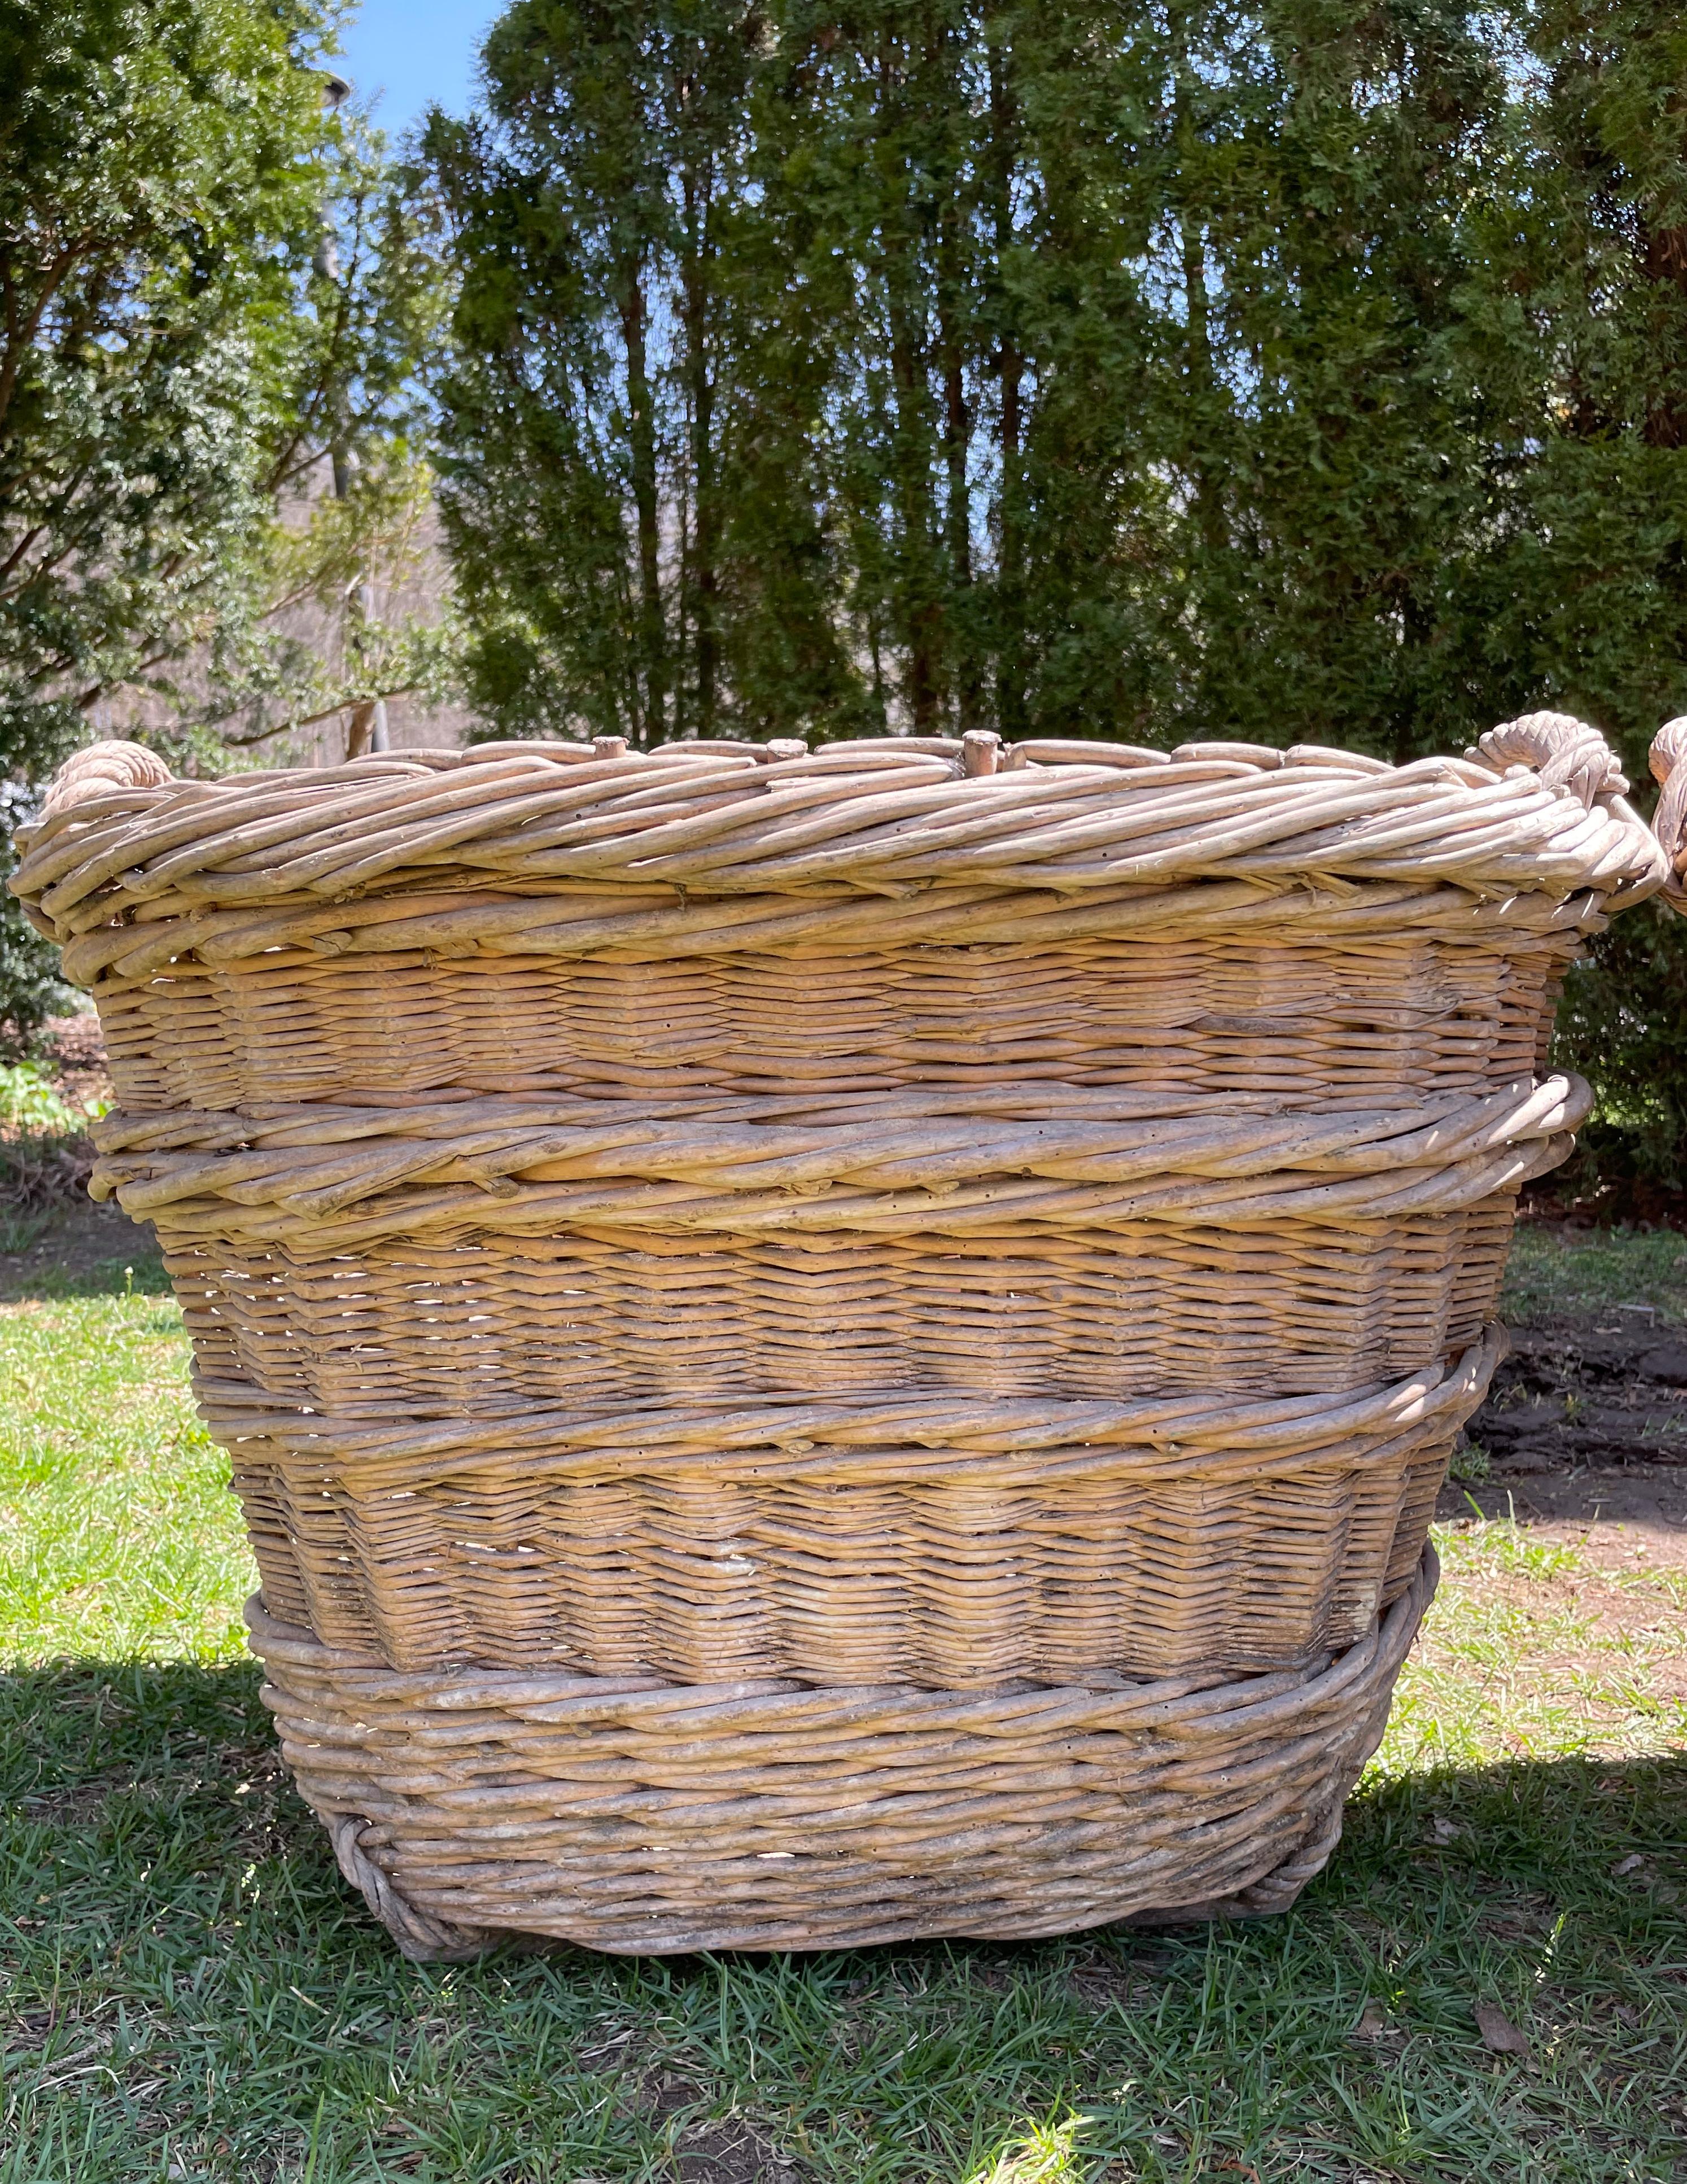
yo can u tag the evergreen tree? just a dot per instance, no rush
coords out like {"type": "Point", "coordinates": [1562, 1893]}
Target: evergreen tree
{"type": "Point", "coordinates": [148, 171]}
{"type": "Point", "coordinates": [625, 500]}
{"type": "Point", "coordinates": [182, 349]}
{"type": "Point", "coordinates": [1302, 369]}
{"type": "Point", "coordinates": [1587, 600]}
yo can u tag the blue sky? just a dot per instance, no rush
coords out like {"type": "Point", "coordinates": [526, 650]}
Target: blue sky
{"type": "Point", "coordinates": [412, 53]}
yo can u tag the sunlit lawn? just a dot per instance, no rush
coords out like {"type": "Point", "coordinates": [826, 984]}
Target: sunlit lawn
{"type": "Point", "coordinates": [190, 1992]}
{"type": "Point", "coordinates": [1558, 1269]}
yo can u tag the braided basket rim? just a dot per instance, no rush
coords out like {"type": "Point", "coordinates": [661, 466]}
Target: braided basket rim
{"type": "Point", "coordinates": [1538, 804]}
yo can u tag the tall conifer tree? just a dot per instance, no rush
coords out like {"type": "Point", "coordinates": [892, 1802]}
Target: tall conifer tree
{"type": "Point", "coordinates": [1303, 369]}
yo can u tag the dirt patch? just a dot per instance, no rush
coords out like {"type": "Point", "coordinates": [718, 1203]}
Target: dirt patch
{"type": "Point", "coordinates": [1099, 1987]}
{"type": "Point", "coordinates": [1610, 1391]}
{"type": "Point", "coordinates": [715, 2150]}
{"type": "Point", "coordinates": [78, 1806]}
{"type": "Point", "coordinates": [1583, 1436]}
{"type": "Point", "coordinates": [728, 2153]}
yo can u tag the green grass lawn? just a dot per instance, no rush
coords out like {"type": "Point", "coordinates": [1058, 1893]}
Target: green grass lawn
{"type": "Point", "coordinates": [191, 1993]}
{"type": "Point", "coordinates": [1553, 1270]}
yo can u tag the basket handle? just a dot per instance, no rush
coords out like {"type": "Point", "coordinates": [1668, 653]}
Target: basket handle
{"type": "Point", "coordinates": [1564, 751]}
{"type": "Point", "coordinates": [101, 769]}
{"type": "Point", "coordinates": [1669, 821]}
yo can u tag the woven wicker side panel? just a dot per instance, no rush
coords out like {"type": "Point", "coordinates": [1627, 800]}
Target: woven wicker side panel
{"type": "Point", "coordinates": [1303, 1020]}
{"type": "Point", "coordinates": [486, 1327]}
{"type": "Point", "coordinates": [940, 1583]}
{"type": "Point", "coordinates": [769, 1818]}
{"type": "Point", "coordinates": [274, 1525]}
{"type": "Point", "coordinates": [907, 1579]}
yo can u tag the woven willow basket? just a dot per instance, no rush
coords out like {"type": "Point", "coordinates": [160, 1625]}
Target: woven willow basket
{"type": "Point", "coordinates": [827, 1347]}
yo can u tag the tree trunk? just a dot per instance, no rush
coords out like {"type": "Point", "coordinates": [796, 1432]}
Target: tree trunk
{"type": "Point", "coordinates": [1005, 125]}
{"type": "Point", "coordinates": [923, 613]}
{"type": "Point", "coordinates": [921, 610]}
{"type": "Point", "coordinates": [1202, 379]}
{"type": "Point", "coordinates": [641, 434]}
{"type": "Point", "coordinates": [957, 429]}
{"type": "Point", "coordinates": [698, 190]}
{"type": "Point", "coordinates": [1663, 257]}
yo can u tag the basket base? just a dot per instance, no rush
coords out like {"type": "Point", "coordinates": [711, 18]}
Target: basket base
{"type": "Point", "coordinates": [643, 1817]}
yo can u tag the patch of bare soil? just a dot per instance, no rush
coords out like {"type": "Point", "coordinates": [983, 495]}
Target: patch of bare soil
{"type": "Point", "coordinates": [720, 2150]}
{"type": "Point", "coordinates": [1574, 1395]}
{"type": "Point", "coordinates": [729, 2153]}
{"type": "Point", "coordinates": [1100, 1986]}
{"type": "Point", "coordinates": [1585, 1434]}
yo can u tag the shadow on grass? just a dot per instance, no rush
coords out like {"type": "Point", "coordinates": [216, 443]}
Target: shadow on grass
{"type": "Point", "coordinates": [194, 1992]}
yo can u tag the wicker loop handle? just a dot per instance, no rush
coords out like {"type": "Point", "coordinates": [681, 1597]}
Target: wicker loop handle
{"type": "Point", "coordinates": [1564, 751]}
{"type": "Point", "coordinates": [423, 1940]}
{"type": "Point", "coordinates": [103, 770]}
{"type": "Point", "coordinates": [1669, 822]}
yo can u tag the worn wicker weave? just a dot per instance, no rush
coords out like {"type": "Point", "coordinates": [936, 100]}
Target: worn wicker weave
{"type": "Point", "coordinates": [726, 1265]}
{"type": "Point", "coordinates": [770, 1815]}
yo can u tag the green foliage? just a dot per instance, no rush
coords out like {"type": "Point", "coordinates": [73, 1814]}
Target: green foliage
{"type": "Point", "coordinates": [211, 284]}
{"type": "Point", "coordinates": [29, 1101]}
{"type": "Point", "coordinates": [635, 537]}
{"type": "Point", "coordinates": [345, 482]}
{"type": "Point", "coordinates": [45, 1153]}
{"type": "Point", "coordinates": [158, 159]}
{"type": "Point", "coordinates": [30, 989]}
{"type": "Point", "coordinates": [1305, 369]}
{"type": "Point", "coordinates": [1622, 1024]}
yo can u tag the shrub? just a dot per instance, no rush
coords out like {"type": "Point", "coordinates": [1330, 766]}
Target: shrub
{"type": "Point", "coordinates": [1623, 1024]}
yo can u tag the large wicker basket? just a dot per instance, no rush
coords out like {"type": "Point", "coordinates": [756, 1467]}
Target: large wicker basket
{"type": "Point", "coordinates": [827, 1347]}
